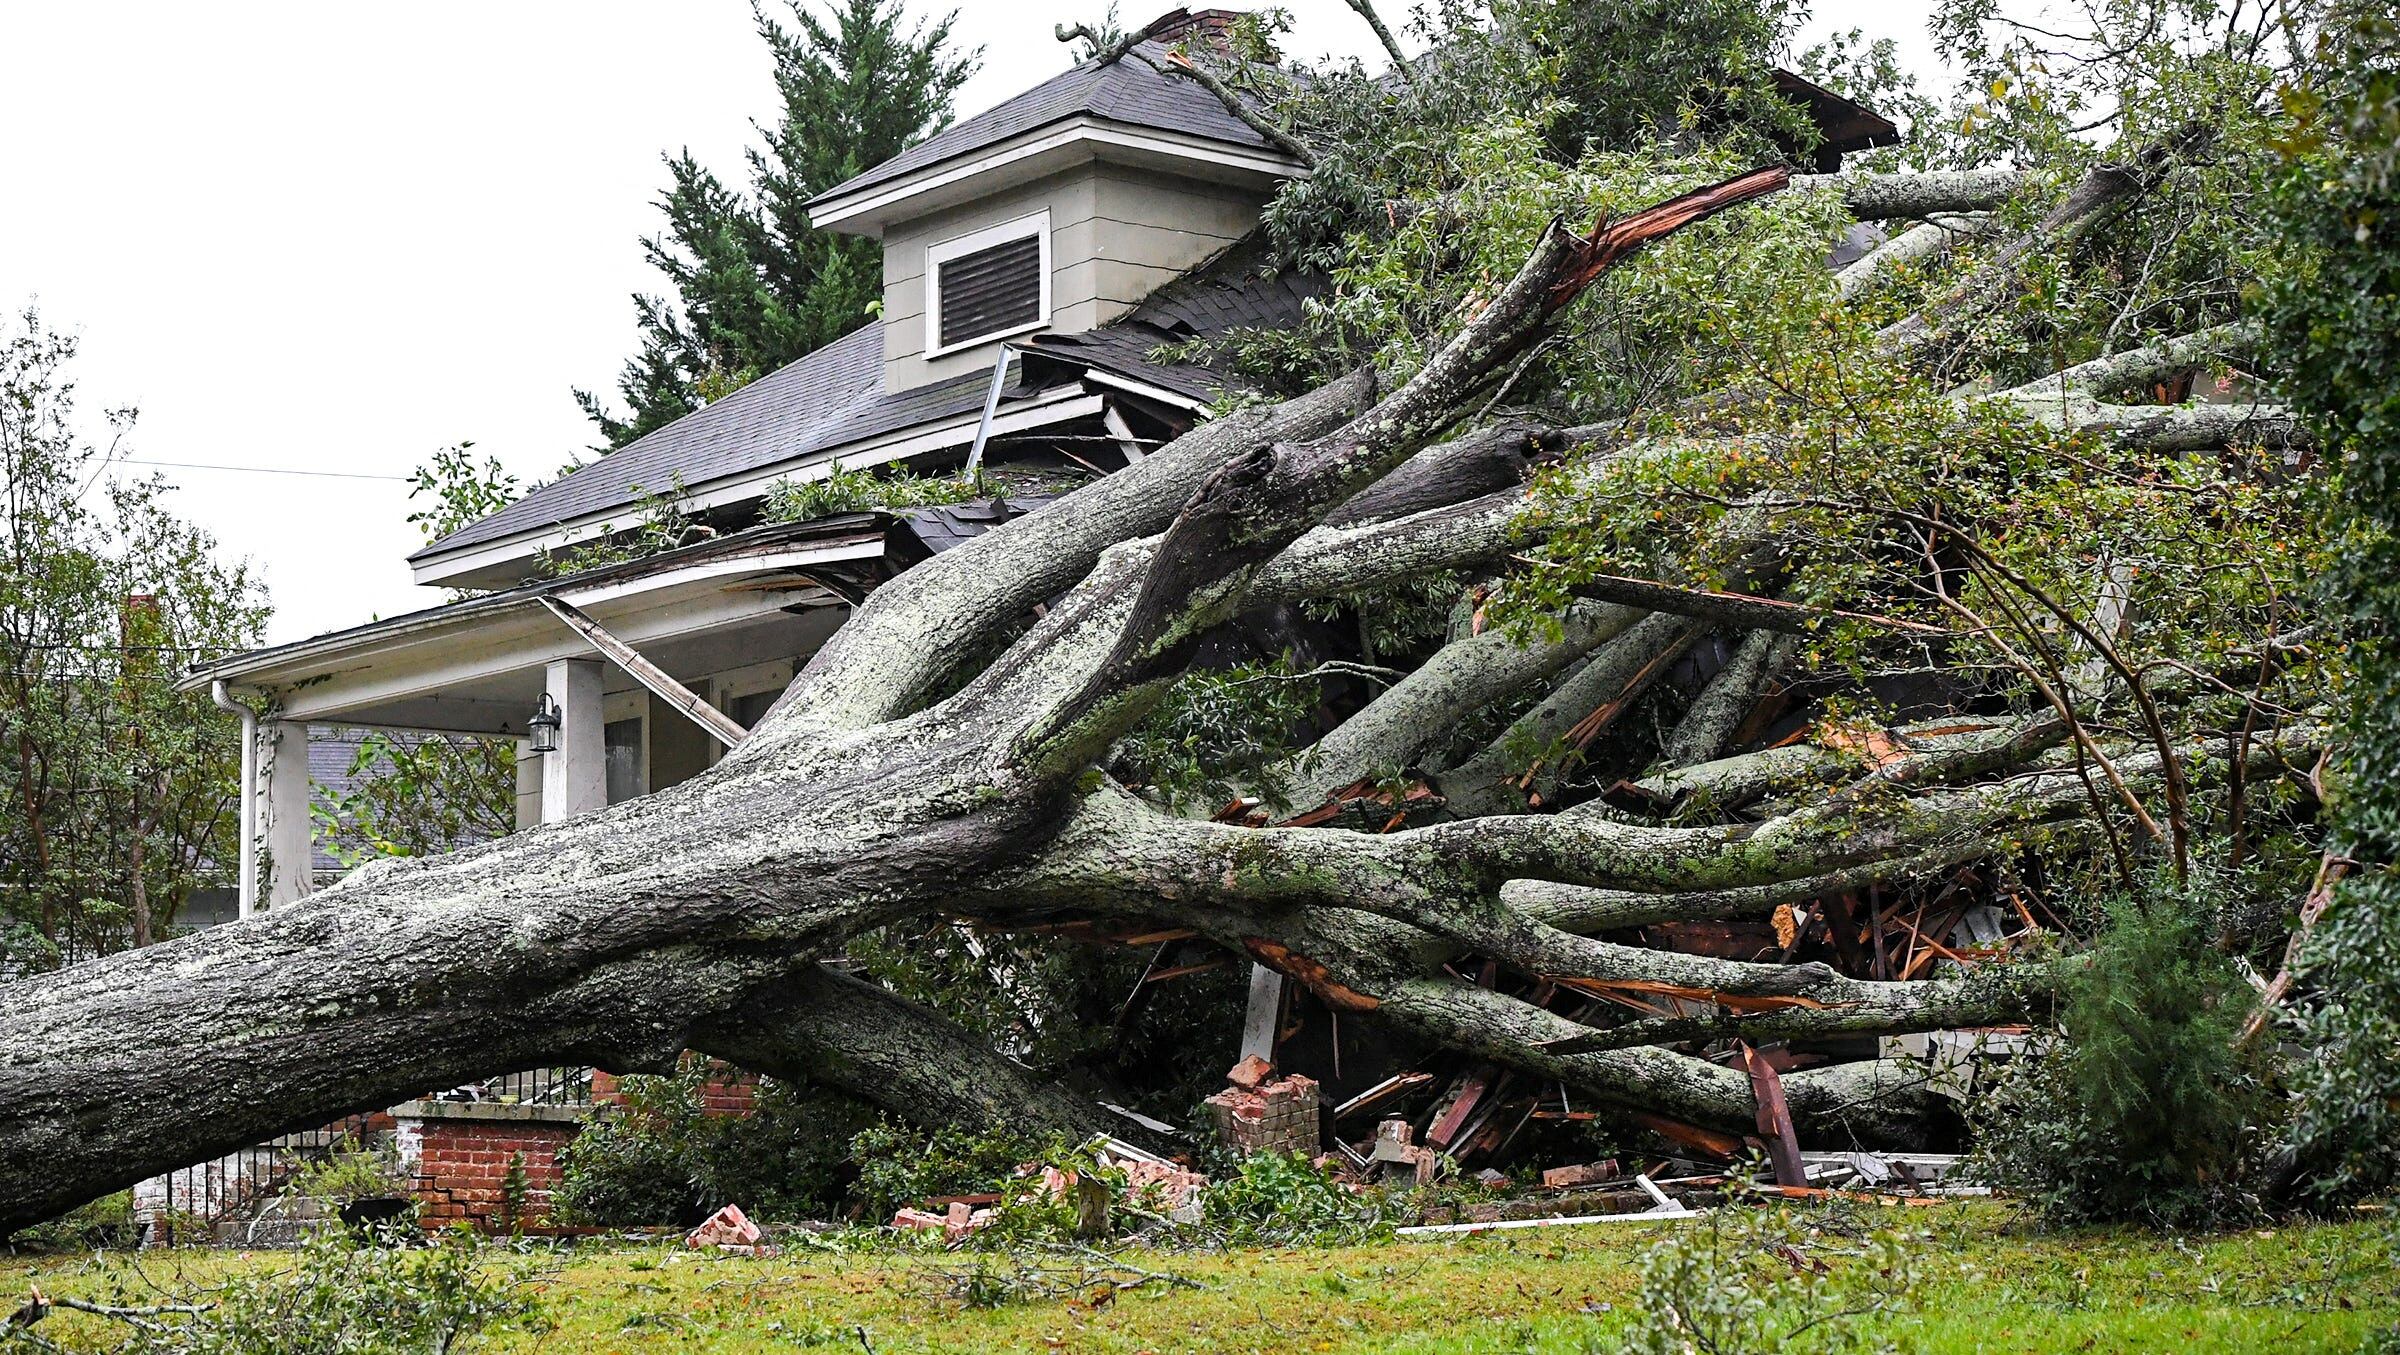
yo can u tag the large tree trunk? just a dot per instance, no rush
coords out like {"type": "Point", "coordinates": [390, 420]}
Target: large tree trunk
{"type": "Point", "coordinates": [696, 917]}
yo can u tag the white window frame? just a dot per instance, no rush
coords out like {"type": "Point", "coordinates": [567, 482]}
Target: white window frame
{"type": "Point", "coordinates": [1036, 225]}
{"type": "Point", "coordinates": [727, 687]}
{"type": "Point", "coordinates": [617, 707]}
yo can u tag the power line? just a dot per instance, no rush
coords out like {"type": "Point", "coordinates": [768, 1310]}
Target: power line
{"type": "Point", "coordinates": [263, 470]}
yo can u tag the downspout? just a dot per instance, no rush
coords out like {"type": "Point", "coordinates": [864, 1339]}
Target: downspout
{"type": "Point", "coordinates": [247, 894]}
{"type": "Point", "coordinates": [991, 406]}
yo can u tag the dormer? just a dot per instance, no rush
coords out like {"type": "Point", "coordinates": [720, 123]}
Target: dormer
{"type": "Point", "coordinates": [1056, 211]}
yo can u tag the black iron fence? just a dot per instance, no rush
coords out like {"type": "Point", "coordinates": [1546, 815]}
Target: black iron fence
{"type": "Point", "coordinates": [189, 1204]}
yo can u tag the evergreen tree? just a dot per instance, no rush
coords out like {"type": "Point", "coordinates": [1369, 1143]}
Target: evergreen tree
{"type": "Point", "coordinates": [756, 286]}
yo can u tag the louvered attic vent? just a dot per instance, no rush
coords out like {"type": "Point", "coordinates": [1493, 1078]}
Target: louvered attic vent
{"type": "Point", "coordinates": [990, 283]}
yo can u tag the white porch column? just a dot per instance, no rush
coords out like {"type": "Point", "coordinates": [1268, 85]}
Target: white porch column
{"type": "Point", "coordinates": [284, 828]}
{"type": "Point", "coordinates": [575, 778]}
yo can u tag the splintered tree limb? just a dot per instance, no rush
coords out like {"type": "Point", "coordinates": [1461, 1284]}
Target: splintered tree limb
{"type": "Point", "coordinates": [1421, 711]}
{"type": "Point", "coordinates": [1498, 779]}
{"type": "Point", "coordinates": [1611, 242]}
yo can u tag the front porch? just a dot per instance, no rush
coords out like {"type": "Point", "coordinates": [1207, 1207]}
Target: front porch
{"type": "Point", "coordinates": [650, 669]}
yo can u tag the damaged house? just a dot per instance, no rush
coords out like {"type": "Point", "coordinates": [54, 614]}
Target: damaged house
{"type": "Point", "coordinates": [1040, 259]}
{"type": "Point", "coordinates": [1037, 257]}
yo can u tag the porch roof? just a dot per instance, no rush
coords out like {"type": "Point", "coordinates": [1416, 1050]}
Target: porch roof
{"type": "Point", "coordinates": [475, 666]}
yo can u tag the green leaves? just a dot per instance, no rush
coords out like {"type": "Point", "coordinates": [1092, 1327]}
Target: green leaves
{"type": "Point", "coordinates": [115, 789]}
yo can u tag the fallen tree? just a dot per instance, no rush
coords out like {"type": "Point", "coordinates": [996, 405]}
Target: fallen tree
{"type": "Point", "coordinates": [940, 758]}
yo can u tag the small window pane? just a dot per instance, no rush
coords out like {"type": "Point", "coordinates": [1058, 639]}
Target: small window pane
{"type": "Point", "coordinates": [622, 741]}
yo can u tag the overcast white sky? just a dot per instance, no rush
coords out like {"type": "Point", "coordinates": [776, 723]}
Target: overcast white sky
{"type": "Point", "coordinates": [332, 238]}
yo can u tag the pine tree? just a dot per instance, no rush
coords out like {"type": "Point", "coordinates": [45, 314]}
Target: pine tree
{"type": "Point", "coordinates": [754, 285]}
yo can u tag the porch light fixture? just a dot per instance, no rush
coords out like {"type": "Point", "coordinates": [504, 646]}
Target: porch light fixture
{"type": "Point", "coordinates": [542, 726]}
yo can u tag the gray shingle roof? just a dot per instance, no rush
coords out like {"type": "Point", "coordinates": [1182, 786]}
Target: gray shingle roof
{"type": "Point", "coordinates": [831, 397]}
{"type": "Point", "coordinates": [1234, 290]}
{"type": "Point", "coordinates": [1131, 91]}
{"type": "Point", "coordinates": [834, 396]}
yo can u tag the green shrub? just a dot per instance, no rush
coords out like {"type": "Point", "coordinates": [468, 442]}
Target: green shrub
{"type": "Point", "coordinates": [1284, 1200]}
{"type": "Point", "coordinates": [1750, 1279]}
{"type": "Point", "coordinates": [2148, 1110]}
{"type": "Point", "coordinates": [105, 1222]}
{"type": "Point", "coordinates": [350, 1173]}
{"type": "Point", "coordinates": [662, 1159]}
{"type": "Point", "coordinates": [898, 1166]}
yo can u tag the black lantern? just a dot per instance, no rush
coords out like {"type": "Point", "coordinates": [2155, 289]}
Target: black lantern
{"type": "Point", "coordinates": [542, 728]}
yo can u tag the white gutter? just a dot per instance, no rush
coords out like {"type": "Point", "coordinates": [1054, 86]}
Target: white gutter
{"type": "Point", "coordinates": [247, 894]}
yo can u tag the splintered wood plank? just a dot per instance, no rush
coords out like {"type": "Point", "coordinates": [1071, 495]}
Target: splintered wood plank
{"type": "Point", "coordinates": [1472, 1089]}
{"type": "Point", "coordinates": [1707, 1142]}
{"type": "Point", "coordinates": [1382, 1093]}
{"type": "Point", "coordinates": [1774, 1119]}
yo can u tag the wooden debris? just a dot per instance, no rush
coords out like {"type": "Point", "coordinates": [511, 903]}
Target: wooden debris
{"type": "Point", "coordinates": [1774, 1119]}
{"type": "Point", "coordinates": [1390, 1089]}
{"type": "Point", "coordinates": [1576, 1177]}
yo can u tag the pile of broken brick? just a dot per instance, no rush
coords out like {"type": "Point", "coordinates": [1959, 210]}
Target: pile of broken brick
{"type": "Point", "coordinates": [1153, 1185]}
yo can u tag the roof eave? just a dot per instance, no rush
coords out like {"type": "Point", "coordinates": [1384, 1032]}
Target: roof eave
{"type": "Point", "coordinates": [869, 209]}
{"type": "Point", "coordinates": [232, 668]}
{"type": "Point", "coordinates": [434, 566]}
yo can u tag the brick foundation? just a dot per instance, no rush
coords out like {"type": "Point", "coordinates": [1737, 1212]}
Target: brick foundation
{"type": "Point", "coordinates": [459, 1155]}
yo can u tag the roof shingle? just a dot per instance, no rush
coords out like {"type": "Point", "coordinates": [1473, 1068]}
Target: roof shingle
{"type": "Point", "coordinates": [831, 397]}
{"type": "Point", "coordinates": [1133, 91]}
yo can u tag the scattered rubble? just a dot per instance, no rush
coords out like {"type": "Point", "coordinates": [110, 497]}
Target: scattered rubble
{"type": "Point", "coordinates": [729, 1230]}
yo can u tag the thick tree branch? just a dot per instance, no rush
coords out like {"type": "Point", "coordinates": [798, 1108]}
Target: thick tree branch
{"type": "Point", "coordinates": [1709, 724]}
{"type": "Point", "coordinates": [828, 1027]}
{"type": "Point", "coordinates": [1889, 197]}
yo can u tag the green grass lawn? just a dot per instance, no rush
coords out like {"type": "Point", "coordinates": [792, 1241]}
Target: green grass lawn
{"type": "Point", "coordinates": [1982, 1286]}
